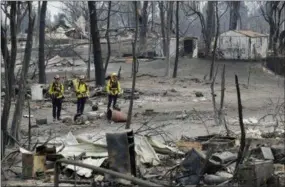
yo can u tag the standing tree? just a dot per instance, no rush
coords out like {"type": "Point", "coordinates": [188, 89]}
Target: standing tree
{"type": "Point", "coordinates": [168, 37]}
{"type": "Point", "coordinates": [143, 28]}
{"type": "Point", "coordinates": [234, 14]}
{"type": "Point", "coordinates": [208, 24]}
{"type": "Point", "coordinates": [162, 23]}
{"type": "Point", "coordinates": [42, 71]}
{"type": "Point", "coordinates": [177, 41]}
{"type": "Point", "coordinates": [25, 67]}
{"type": "Point", "coordinates": [9, 64]}
{"type": "Point", "coordinates": [134, 70]}
{"type": "Point", "coordinates": [98, 62]}
{"type": "Point", "coordinates": [272, 13]}
{"type": "Point", "coordinates": [108, 38]}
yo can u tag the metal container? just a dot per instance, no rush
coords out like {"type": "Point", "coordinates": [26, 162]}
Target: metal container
{"type": "Point", "coordinates": [255, 174]}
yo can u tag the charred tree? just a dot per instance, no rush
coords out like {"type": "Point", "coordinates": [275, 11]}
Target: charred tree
{"type": "Point", "coordinates": [216, 41]}
{"type": "Point", "coordinates": [272, 13]}
{"type": "Point", "coordinates": [13, 30]}
{"type": "Point", "coordinates": [108, 38]}
{"type": "Point", "coordinates": [234, 14]}
{"type": "Point", "coordinates": [9, 64]}
{"type": "Point", "coordinates": [162, 20]}
{"type": "Point", "coordinates": [168, 37]}
{"type": "Point", "coordinates": [210, 25]}
{"type": "Point", "coordinates": [98, 62]}
{"type": "Point", "coordinates": [143, 28]}
{"type": "Point", "coordinates": [22, 87]}
{"type": "Point", "coordinates": [177, 41]}
{"type": "Point", "coordinates": [41, 65]}
{"type": "Point", "coordinates": [134, 70]}
{"type": "Point", "coordinates": [7, 98]}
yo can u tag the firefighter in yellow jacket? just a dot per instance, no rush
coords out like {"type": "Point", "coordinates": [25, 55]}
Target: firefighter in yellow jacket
{"type": "Point", "coordinates": [56, 91]}
{"type": "Point", "coordinates": [113, 89]}
{"type": "Point", "coordinates": [82, 93]}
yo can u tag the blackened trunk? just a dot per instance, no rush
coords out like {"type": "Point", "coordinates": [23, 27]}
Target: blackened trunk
{"type": "Point", "coordinates": [210, 25]}
{"type": "Point", "coordinates": [22, 87]}
{"type": "Point", "coordinates": [143, 28]}
{"type": "Point", "coordinates": [234, 14]}
{"type": "Point", "coordinates": [215, 42]}
{"type": "Point", "coordinates": [134, 70]}
{"type": "Point", "coordinates": [42, 71]}
{"type": "Point", "coordinates": [177, 41]}
{"type": "Point", "coordinates": [98, 63]}
{"type": "Point", "coordinates": [7, 98]}
{"type": "Point", "coordinates": [13, 30]}
{"type": "Point", "coordinates": [162, 20]}
{"type": "Point", "coordinates": [108, 38]}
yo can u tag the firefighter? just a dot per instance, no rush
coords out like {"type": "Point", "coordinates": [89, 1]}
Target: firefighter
{"type": "Point", "coordinates": [113, 89]}
{"type": "Point", "coordinates": [82, 93]}
{"type": "Point", "coordinates": [56, 90]}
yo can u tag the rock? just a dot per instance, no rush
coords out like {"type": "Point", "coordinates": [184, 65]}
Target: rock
{"type": "Point", "coordinates": [148, 112]}
{"type": "Point", "coordinates": [42, 121]}
{"type": "Point", "coordinates": [199, 94]}
{"type": "Point", "coordinates": [173, 90]}
{"type": "Point", "coordinates": [67, 119]}
{"type": "Point", "coordinates": [95, 107]}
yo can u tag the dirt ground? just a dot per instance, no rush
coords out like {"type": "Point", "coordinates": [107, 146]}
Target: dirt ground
{"type": "Point", "coordinates": [260, 98]}
{"type": "Point", "coordinates": [171, 97]}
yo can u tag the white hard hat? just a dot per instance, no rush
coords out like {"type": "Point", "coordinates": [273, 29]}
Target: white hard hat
{"type": "Point", "coordinates": [56, 77]}
{"type": "Point", "coordinates": [82, 77]}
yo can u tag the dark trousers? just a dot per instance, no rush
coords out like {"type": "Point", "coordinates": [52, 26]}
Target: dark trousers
{"type": "Point", "coordinates": [80, 105]}
{"type": "Point", "coordinates": [112, 98]}
{"type": "Point", "coordinates": [56, 107]}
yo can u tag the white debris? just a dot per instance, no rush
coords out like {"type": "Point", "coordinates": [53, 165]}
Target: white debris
{"type": "Point", "coordinates": [144, 151]}
{"type": "Point", "coordinates": [27, 116]}
{"type": "Point", "coordinates": [162, 148]}
{"type": "Point", "coordinates": [70, 139]}
{"type": "Point", "coordinates": [84, 171]}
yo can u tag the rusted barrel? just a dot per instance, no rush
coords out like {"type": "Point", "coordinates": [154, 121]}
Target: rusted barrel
{"type": "Point", "coordinates": [116, 116]}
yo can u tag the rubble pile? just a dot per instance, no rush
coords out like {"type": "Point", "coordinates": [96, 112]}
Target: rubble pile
{"type": "Point", "coordinates": [204, 160]}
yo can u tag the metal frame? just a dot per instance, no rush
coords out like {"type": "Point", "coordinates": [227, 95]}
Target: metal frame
{"type": "Point", "coordinates": [99, 170]}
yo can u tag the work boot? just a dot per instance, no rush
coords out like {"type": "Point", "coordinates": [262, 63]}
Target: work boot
{"type": "Point", "coordinates": [54, 119]}
{"type": "Point", "coordinates": [59, 119]}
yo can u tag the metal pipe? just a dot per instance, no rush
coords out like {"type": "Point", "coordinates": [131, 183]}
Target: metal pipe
{"type": "Point", "coordinates": [100, 170]}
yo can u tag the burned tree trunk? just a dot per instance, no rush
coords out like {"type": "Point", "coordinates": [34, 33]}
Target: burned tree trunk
{"type": "Point", "coordinates": [210, 26]}
{"type": "Point", "coordinates": [234, 14]}
{"type": "Point", "coordinates": [25, 67]}
{"type": "Point", "coordinates": [215, 42]}
{"type": "Point", "coordinates": [177, 41]}
{"type": "Point", "coordinates": [98, 62]}
{"type": "Point", "coordinates": [134, 70]}
{"type": "Point", "coordinates": [13, 29]}
{"type": "Point", "coordinates": [168, 37]}
{"type": "Point", "coordinates": [9, 64]}
{"type": "Point", "coordinates": [143, 28]}
{"type": "Point", "coordinates": [108, 38]}
{"type": "Point", "coordinates": [162, 20]}
{"type": "Point", "coordinates": [7, 98]}
{"type": "Point", "coordinates": [42, 71]}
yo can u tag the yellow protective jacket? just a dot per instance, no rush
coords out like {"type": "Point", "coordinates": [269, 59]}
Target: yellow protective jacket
{"type": "Point", "coordinates": [82, 90]}
{"type": "Point", "coordinates": [113, 87]}
{"type": "Point", "coordinates": [56, 90]}
{"type": "Point", "coordinates": [75, 83]}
